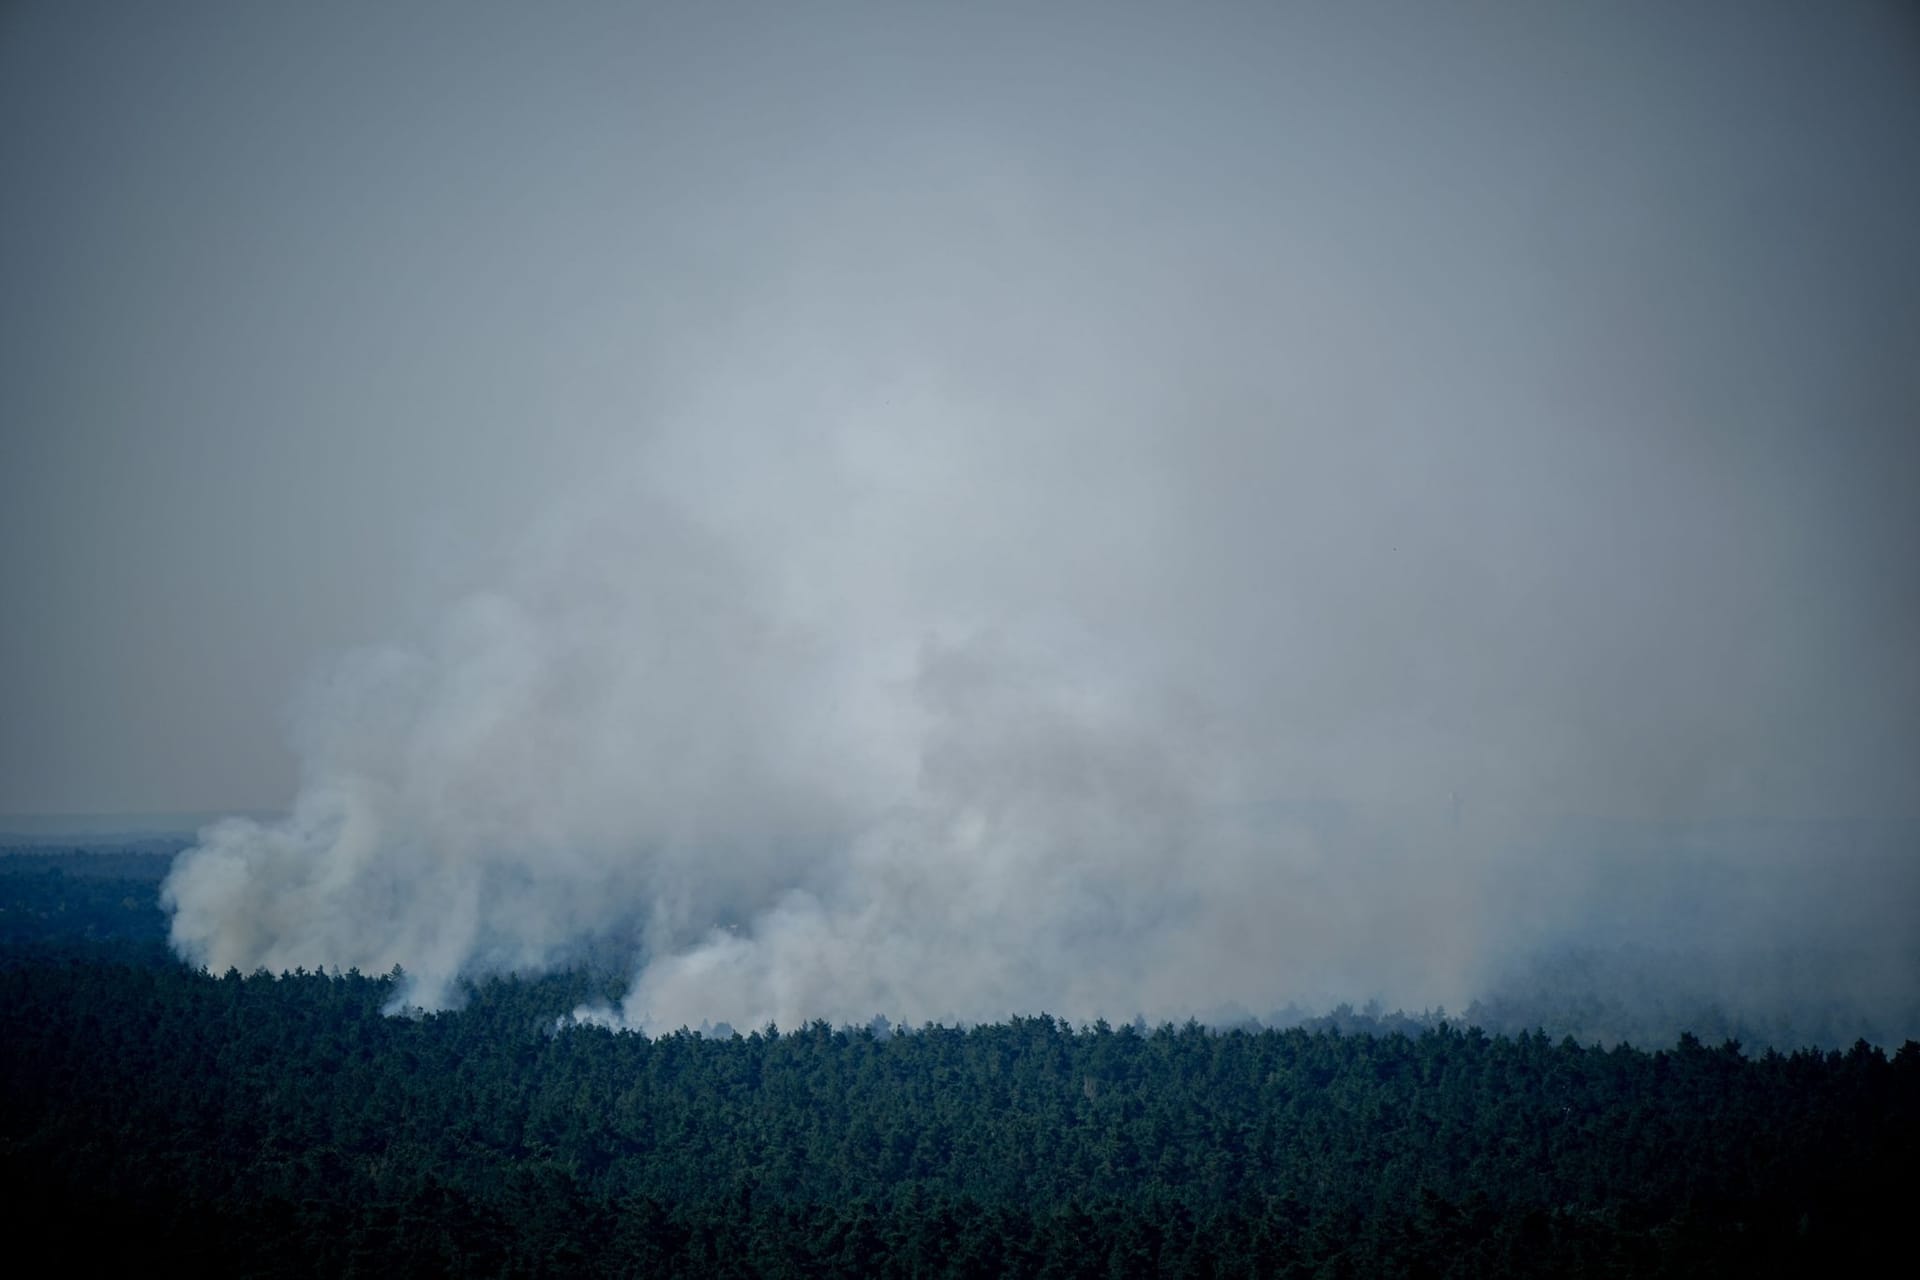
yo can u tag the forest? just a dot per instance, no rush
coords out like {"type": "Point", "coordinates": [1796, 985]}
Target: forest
{"type": "Point", "coordinates": [282, 1124]}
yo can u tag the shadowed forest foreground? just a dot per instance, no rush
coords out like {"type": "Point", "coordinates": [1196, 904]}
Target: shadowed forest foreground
{"type": "Point", "coordinates": [157, 1115]}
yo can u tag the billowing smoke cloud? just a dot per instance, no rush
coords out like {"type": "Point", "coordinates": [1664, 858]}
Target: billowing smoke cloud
{"type": "Point", "coordinates": [631, 736]}
{"type": "Point", "coordinates": [581, 752]}
{"type": "Point", "coordinates": [1109, 516]}
{"type": "Point", "coordinates": [846, 752]}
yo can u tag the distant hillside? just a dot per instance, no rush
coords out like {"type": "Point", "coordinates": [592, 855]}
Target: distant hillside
{"type": "Point", "coordinates": [96, 829]}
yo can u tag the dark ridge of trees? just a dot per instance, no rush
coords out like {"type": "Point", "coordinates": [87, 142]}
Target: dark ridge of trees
{"type": "Point", "coordinates": [142, 860]}
{"type": "Point", "coordinates": [154, 1115]}
{"type": "Point", "coordinates": [65, 899]}
{"type": "Point", "coordinates": [283, 1125]}
{"type": "Point", "coordinates": [108, 864]}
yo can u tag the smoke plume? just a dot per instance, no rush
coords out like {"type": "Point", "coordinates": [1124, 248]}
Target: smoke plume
{"type": "Point", "coordinates": [1107, 514]}
{"type": "Point", "coordinates": [855, 752]}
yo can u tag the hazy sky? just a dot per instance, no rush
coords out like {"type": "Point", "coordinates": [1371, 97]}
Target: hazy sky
{"type": "Point", "coordinates": [1521, 400]}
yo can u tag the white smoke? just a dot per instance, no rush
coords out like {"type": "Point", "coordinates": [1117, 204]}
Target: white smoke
{"type": "Point", "coordinates": [581, 749]}
{"type": "Point", "coordinates": [852, 732]}
{"type": "Point", "coordinates": [805, 787]}
{"type": "Point", "coordinates": [1062, 529]}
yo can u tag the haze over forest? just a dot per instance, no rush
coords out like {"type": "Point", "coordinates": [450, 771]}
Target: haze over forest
{"type": "Point", "coordinates": [871, 509]}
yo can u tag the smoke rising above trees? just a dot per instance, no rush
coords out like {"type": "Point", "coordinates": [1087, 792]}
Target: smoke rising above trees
{"type": "Point", "coordinates": [954, 513]}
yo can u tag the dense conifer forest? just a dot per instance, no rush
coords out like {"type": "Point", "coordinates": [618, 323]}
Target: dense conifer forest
{"type": "Point", "coordinates": [265, 1124]}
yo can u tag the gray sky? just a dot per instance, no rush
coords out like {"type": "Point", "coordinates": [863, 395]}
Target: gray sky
{"type": "Point", "coordinates": [1519, 400]}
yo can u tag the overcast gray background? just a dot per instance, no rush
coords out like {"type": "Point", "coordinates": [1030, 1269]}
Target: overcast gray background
{"type": "Point", "coordinates": [934, 511]}
{"type": "Point", "coordinates": [1509, 365]}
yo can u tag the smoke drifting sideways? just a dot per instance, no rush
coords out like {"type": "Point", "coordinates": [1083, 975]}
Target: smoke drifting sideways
{"type": "Point", "coordinates": [977, 828]}
{"type": "Point", "coordinates": [811, 743]}
{"type": "Point", "coordinates": [1131, 516]}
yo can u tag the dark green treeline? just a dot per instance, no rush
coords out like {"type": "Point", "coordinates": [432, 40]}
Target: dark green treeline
{"type": "Point", "coordinates": [285, 1126]}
